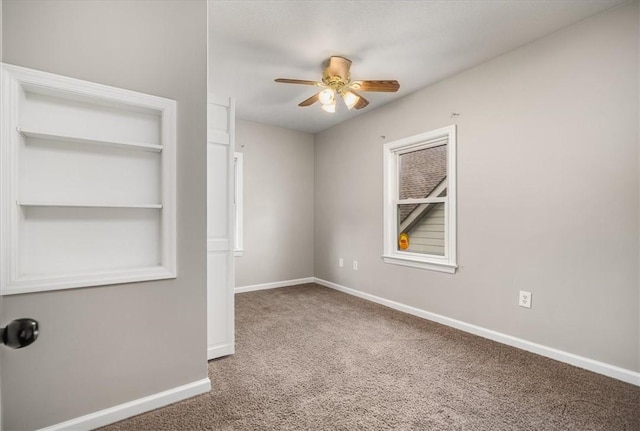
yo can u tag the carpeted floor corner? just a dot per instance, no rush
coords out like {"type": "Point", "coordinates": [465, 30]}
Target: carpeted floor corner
{"type": "Point", "coordinates": [311, 358]}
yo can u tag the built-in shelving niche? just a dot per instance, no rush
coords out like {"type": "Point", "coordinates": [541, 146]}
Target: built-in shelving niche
{"type": "Point", "coordinates": [88, 183]}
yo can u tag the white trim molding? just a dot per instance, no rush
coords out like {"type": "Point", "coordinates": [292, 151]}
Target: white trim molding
{"type": "Point", "coordinates": [420, 263]}
{"type": "Point", "coordinates": [603, 368]}
{"type": "Point", "coordinates": [275, 285]}
{"type": "Point", "coordinates": [132, 408]}
{"type": "Point", "coordinates": [238, 202]}
{"type": "Point", "coordinates": [392, 200]}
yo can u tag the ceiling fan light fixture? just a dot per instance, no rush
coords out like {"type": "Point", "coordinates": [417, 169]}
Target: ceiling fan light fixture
{"type": "Point", "coordinates": [350, 99]}
{"type": "Point", "coordinates": [329, 107]}
{"type": "Point", "coordinates": [327, 97]}
{"type": "Point", "coordinates": [336, 78]}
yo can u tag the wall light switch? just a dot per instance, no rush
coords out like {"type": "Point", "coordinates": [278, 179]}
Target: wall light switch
{"type": "Point", "coordinates": [340, 262]}
{"type": "Point", "coordinates": [355, 265]}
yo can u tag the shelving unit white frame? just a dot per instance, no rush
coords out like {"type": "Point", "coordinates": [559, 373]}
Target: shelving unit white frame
{"type": "Point", "coordinates": [16, 82]}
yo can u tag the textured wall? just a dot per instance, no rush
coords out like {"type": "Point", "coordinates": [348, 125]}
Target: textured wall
{"type": "Point", "coordinates": [103, 346]}
{"type": "Point", "coordinates": [278, 204]}
{"type": "Point", "coordinates": [548, 187]}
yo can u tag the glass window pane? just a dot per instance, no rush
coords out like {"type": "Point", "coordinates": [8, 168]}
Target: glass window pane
{"type": "Point", "coordinates": [421, 172]}
{"type": "Point", "coordinates": [421, 228]}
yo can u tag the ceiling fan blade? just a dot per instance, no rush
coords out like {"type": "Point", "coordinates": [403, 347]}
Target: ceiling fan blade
{"type": "Point", "coordinates": [381, 86]}
{"type": "Point", "coordinates": [298, 81]}
{"type": "Point", "coordinates": [361, 103]}
{"type": "Point", "coordinates": [310, 101]}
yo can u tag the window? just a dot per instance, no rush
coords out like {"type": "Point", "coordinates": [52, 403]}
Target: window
{"type": "Point", "coordinates": [238, 247]}
{"type": "Point", "coordinates": [420, 201]}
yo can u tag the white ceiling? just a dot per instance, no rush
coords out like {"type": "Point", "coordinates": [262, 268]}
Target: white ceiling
{"type": "Point", "coordinates": [415, 42]}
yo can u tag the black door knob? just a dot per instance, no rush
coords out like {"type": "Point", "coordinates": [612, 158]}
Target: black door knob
{"type": "Point", "coordinates": [19, 333]}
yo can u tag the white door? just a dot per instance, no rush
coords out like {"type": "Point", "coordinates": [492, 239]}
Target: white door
{"type": "Point", "coordinates": [220, 226]}
{"type": "Point", "coordinates": [1, 323]}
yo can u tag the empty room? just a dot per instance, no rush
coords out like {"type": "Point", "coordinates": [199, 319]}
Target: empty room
{"type": "Point", "coordinates": [319, 215]}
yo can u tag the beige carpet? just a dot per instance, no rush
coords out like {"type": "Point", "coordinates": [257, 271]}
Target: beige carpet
{"type": "Point", "coordinates": [310, 358]}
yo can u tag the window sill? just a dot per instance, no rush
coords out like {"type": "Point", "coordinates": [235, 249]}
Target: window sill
{"type": "Point", "coordinates": [420, 263]}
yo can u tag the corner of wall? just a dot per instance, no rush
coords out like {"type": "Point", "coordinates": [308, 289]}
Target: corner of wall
{"type": "Point", "coordinates": [1, 31]}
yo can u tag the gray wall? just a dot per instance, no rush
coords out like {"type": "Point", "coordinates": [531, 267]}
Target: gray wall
{"type": "Point", "coordinates": [548, 188]}
{"type": "Point", "coordinates": [278, 204]}
{"type": "Point", "coordinates": [104, 346]}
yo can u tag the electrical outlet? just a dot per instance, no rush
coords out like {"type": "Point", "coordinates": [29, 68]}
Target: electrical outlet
{"type": "Point", "coordinates": [340, 262]}
{"type": "Point", "coordinates": [525, 299]}
{"type": "Point", "coordinates": [355, 265]}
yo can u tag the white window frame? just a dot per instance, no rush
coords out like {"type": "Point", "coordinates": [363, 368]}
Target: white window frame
{"type": "Point", "coordinates": [392, 152]}
{"type": "Point", "coordinates": [238, 165]}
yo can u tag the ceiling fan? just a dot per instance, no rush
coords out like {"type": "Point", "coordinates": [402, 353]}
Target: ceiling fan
{"type": "Point", "coordinates": [336, 79]}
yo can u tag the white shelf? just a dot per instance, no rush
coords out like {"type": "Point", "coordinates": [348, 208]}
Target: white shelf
{"type": "Point", "coordinates": [87, 184]}
{"type": "Point", "coordinates": [83, 279]}
{"type": "Point", "coordinates": [87, 205]}
{"type": "Point", "coordinates": [75, 139]}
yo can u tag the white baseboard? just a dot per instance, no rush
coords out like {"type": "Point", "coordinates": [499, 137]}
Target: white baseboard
{"type": "Point", "coordinates": [219, 351]}
{"type": "Point", "coordinates": [274, 285]}
{"type": "Point", "coordinates": [559, 355]}
{"type": "Point", "coordinates": [132, 408]}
